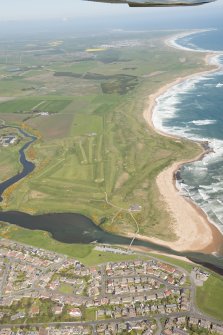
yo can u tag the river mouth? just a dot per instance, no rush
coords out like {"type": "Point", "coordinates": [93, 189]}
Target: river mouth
{"type": "Point", "coordinates": [78, 229]}
{"type": "Point", "coordinates": [75, 228]}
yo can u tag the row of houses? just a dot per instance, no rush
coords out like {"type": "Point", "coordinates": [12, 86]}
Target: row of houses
{"type": "Point", "coordinates": [131, 285]}
{"type": "Point", "coordinates": [188, 323]}
{"type": "Point", "coordinates": [163, 271]}
{"type": "Point", "coordinates": [142, 327]}
{"type": "Point", "coordinates": [28, 254]}
{"type": "Point", "coordinates": [66, 330]}
{"type": "Point", "coordinates": [140, 310]}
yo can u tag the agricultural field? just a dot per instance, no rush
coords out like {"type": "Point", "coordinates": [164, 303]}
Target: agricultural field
{"type": "Point", "coordinates": [34, 105]}
{"type": "Point", "coordinates": [95, 154]}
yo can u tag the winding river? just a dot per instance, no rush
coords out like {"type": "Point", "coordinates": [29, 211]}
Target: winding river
{"type": "Point", "coordinates": [76, 228]}
{"type": "Point", "coordinates": [28, 166]}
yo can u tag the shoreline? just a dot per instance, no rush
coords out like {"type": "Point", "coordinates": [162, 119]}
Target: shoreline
{"type": "Point", "coordinates": [171, 42]}
{"type": "Point", "coordinates": [202, 235]}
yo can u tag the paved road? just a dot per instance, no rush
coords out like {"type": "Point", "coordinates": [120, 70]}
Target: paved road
{"type": "Point", "coordinates": [103, 281]}
{"type": "Point", "coordinates": [116, 321]}
{"type": "Point", "coordinates": [4, 278]}
{"type": "Point", "coordinates": [159, 327]}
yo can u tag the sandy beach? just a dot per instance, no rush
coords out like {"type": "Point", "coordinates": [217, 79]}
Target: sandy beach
{"type": "Point", "coordinates": [190, 224]}
{"type": "Point", "coordinates": [172, 42]}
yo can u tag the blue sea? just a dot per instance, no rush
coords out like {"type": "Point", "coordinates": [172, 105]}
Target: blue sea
{"type": "Point", "coordinates": [207, 40]}
{"type": "Point", "coordinates": [194, 109]}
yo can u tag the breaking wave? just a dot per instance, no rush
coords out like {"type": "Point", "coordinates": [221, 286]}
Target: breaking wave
{"type": "Point", "coordinates": [183, 111]}
{"type": "Point", "coordinates": [203, 122]}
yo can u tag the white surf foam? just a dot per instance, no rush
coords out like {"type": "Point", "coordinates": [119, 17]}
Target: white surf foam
{"type": "Point", "coordinates": [173, 42]}
{"type": "Point", "coordinates": [166, 108]}
{"type": "Point", "coordinates": [206, 196]}
{"type": "Point", "coordinates": [203, 194]}
{"type": "Point", "coordinates": [166, 104]}
{"type": "Point", "coordinates": [203, 122]}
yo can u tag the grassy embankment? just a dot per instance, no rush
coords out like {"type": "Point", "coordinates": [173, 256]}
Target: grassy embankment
{"type": "Point", "coordinates": [9, 163]}
{"type": "Point", "coordinates": [85, 253]}
{"type": "Point", "coordinates": [210, 297]}
{"type": "Point", "coordinates": [96, 140]}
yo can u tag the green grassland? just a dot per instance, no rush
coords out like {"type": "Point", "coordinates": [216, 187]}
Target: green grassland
{"type": "Point", "coordinates": [9, 162]}
{"type": "Point", "coordinates": [30, 104]}
{"type": "Point", "coordinates": [210, 296]}
{"type": "Point", "coordinates": [98, 143]}
{"type": "Point", "coordinates": [85, 253]}
{"type": "Point", "coordinates": [66, 288]}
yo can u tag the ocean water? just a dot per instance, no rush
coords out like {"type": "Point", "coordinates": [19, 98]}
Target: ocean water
{"type": "Point", "coordinates": [194, 109]}
{"type": "Point", "coordinates": [207, 40]}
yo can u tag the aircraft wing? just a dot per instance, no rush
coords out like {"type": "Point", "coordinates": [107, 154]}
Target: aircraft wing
{"type": "Point", "coordinates": [156, 3]}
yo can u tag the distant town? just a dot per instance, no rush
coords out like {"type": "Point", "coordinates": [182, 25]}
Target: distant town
{"type": "Point", "coordinates": [45, 293]}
